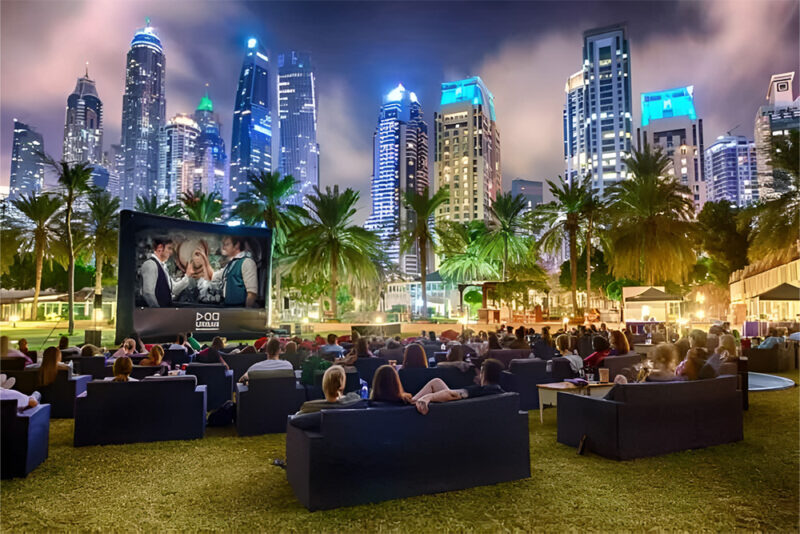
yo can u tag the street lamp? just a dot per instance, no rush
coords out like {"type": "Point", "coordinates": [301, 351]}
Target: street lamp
{"type": "Point", "coordinates": [14, 319]}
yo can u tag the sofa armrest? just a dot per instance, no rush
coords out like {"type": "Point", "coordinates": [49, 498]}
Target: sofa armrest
{"type": "Point", "coordinates": [80, 382]}
{"type": "Point", "coordinates": [593, 417]}
{"type": "Point", "coordinates": [36, 413]}
{"type": "Point", "coordinates": [241, 391]}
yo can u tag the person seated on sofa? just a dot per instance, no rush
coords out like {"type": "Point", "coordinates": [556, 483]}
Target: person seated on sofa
{"type": "Point", "coordinates": [727, 349]}
{"type": "Point", "coordinates": [698, 338]}
{"type": "Point", "coordinates": [387, 388]}
{"type": "Point", "coordinates": [519, 341]}
{"type": "Point", "coordinates": [694, 366]}
{"type": "Point", "coordinates": [213, 354]}
{"type": "Point", "coordinates": [123, 366]}
{"type": "Point", "coordinates": [602, 349]}
{"type": "Point", "coordinates": [128, 348]}
{"type": "Point", "coordinates": [89, 350]}
{"type": "Point", "coordinates": [272, 363]}
{"type": "Point", "coordinates": [64, 346]}
{"type": "Point", "coordinates": [772, 340]}
{"type": "Point", "coordinates": [494, 342]}
{"type": "Point", "coordinates": [563, 345]}
{"type": "Point", "coordinates": [437, 391]}
{"type": "Point", "coordinates": [23, 401]}
{"type": "Point", "coordinates": [414, 356]}
{"type": "Point", "coordinates": [455, 358]}
{"type": "Point", "coordinates": [665, 359]}
{"type": "Point", "coordinates": [154, 357]}
{"type": "Point", "coordinates": [333, 382]}
{"type": "Point", "coordinates": [49, 367]}
{"type": "Point", "coordinates": [332, 348]}
{"type": "Point", "coordinates": [180, 344]}
{"type": "Point", "coordinates": [619, 343]}
{"type": "Point", "coordinates": [360, 350]}
{"type": "Point", "coordinates": [7, 352]}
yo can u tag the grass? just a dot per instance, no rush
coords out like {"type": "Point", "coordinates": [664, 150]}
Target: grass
{"type": "Point", "coordinates": [226, 483]}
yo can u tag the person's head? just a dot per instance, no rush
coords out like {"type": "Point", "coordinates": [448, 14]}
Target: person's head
{"type": "Point", "coordinates": [332, 339]}
{"type": "Point", "coordinates": [494, 343]}
{"type": "Point", "coordinates": [432, 335]}
{"type": "Point", "coordinates": [392, 344]}
{"type": "Point", "coordinates": [217, 343]}
{"type": "Point", "coordinates": [695, 360]}
{"type": "Point", "coordinates": [122, 369]}
{"type": "Point", "coordinates": [510, 329]}
{"type": "Point", "coordinates": [593, 328]}
{"type": "Point", "coordinates": [89, 350]}
{"type": "Point", "coordinates": [490, 371]}
{"type": "Point", "coordinates": [3, 345]}
{"type": "Point", "coordinates": [563, 343]}
{"type": "Point", "coordinates": [23, 345]}
{"type": "Point", "coordinates": [63, 342]}
{"type": "Point", "coordinates": [362, 347]}
{"type": "Point", "coordinates": [727, 343]}
{"type": "Point", "coordinates": [49, 367]}
{"type": "Point", "coordinates": [162, 247]}
{"type": "Point", "coordinates": [603, 327]}
{"type": "Point", "coordinates": [772, 332]}
{"type": "Point", "coordinates": [273, 348]}
{"type": "Point", "coordinates": [355, 336]}
{"type": "Point", "coordinates": [156, 354]}
{"type": "Point", "coordinates": [619, 342]}
{"type": "Point", "coordinates": [424, 334]}
{"type": "Point", "coordinates": [180, 339]}
{"type": "Point", "coordinates": [290, 348]}
{"type": "Point", "coordinates": [128, 346]}
{"type": "Point", "coordinates": [333, 382]}
{"type": "Point", "coordinates": [665, 357]}
{"type": "Point", "coordinates": [520, 333]}
{"type": "Point", "coordinates": [456, 353]}
{"type": "Point", "coordinates": [231, 246]}
{"type": "Point", "coordinates": [386, 385]}
{"type": "Point", "coordinates": [697, 338]}
{"type": "Point", "coordinates": [414, 356]}
{"type": "Point", "coordinates": [599, 344]}
{"type": "Point", "coordinates": [783, 331]}
{"type": "Point", "coordinates": [682, 346]}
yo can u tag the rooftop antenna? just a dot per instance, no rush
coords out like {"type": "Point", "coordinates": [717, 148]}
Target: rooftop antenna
{"type": "Point", "coordinates": [730, 132]}
{"type": "Point", "coordinates": [87, 70]}
{"type": "Point", "coordinates": [147, 21]}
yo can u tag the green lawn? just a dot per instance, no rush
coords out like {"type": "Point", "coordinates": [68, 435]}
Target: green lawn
{"type": "Point", "coordinates": [224, 482]}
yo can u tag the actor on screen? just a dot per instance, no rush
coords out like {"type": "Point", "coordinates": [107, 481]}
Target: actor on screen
{"type": "Point", "coordinates": [239, 278]}
{"type": "Point", "coordinates": [158, 288]}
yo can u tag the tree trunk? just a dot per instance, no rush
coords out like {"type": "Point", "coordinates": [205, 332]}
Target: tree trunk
{"type": "Point", "coordinates": [98, 274]}
{"type": "Point", "coordinates": [589, 263]}
{"type": "Point", "coordinates": [573, 268]}
{"type": "Point", "coordinates": [505, 256]}
{"type": "Point", "coordinates": [38, 286]}
{"type": "Point", "coordinates": [71, 269]}
{"type": "Point", "coordinates": [423, 271]}
{"type": "Point", "coordinates": [334, 284]}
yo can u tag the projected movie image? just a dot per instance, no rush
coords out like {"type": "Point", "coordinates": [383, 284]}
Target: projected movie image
{"type": "Point", "coordinates": [186, 268]}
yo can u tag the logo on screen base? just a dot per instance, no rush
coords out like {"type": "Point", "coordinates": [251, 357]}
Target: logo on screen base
{"type": "Point", "coordinates": [206, 321]}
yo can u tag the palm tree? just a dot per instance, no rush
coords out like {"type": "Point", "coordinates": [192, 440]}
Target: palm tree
{"type": "Point", "coordinates": [419, 232]}
{"type": "Point", "coordinates": [564, 216]}
{"type": "Point", "coordinates": [152, 206]}
{"type": "Point", "coordinates": [650, 234]}
{"type": "Point", "coordinates": [330, 245]}
{"type": "Point", "coordinates": [591, 212]}
{"type": "Point", "coordinates": [503, 239]}
{"type": "Point", "coordinates": [74, 182]}
{"type": "Point", "coordinates": [39, 210]}
{"type": "Point", "coordinates": [460, 248]}
{"type": "Point", "coordinates": [104, 225]}
{"type": "Point", "coordinates": [202, 207]}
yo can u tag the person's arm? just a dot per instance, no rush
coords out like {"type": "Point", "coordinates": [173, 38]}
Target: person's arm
{"type": "Point", "coordinates": [180, 285]}
{"type": "Point", "coordinates": [444, 395]}
{"type": "Point", "coordinates": [149, 277]}
{"type": "Point", "coordinates": [250, 278]}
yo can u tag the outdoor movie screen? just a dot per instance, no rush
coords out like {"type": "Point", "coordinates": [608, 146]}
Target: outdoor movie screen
{"type": "Point", "coordinates": [183, 276]}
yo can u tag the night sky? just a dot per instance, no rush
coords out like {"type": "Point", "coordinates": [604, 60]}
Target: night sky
{"type": "Point", "coordinates": [523, 51]}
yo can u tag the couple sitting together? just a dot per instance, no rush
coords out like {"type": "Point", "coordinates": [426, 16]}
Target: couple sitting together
{"type": "Point", "coordinates": [387, 390]}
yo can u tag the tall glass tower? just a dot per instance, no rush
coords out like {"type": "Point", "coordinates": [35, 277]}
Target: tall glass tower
{"type": "Point", "coordinates": [27, 161]}
{"type": "Point", "coordinates": [298, 114]}
{"type": "Point", "coordinates": [731, 170]}
{"type": "Point", "coordinates": [210, 164]}
{"type": "Point", "coordinates": [144, 108]}
{"type": "Point", "coordinates": [256, 135]}
{"type": "Point", "coordinates": [83, 126]}
{"type": "Point", "coordinates": [178, 152]}
{"type": "Point", "coordinates": [400, 164]}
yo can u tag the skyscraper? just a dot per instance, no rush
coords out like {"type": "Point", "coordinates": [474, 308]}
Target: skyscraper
{"type": "Point", "coordinates": [210, 162]}
{"type": "Point", "coordinates": [144, 109]}
{"type": "Point", "coordinates": [730, 170]}
{"type": "Point", "coordinates": [400, 164]}
{"type": "Point", "coordinates": [83, 126]}
{"type": "Point", "coordinates": [467, 160]}
{"type": "Point", "coordinates": [27, 161]}
{"type": "Point", "coordinates": [780, 114]}
{"type": "Point", "coordinates": [114, 159]}
{"type": "Point", "coordinates": [177, 158]}
{"type": "Point", "coordinates": [298, 115]}
{"type": "Point", "coordinates": [532, 190]}
{"type": "Point", "coordinates": [597, 140]}
{"type": "Point", "coordinates": [256, 136]}
{"type": "Point", "coordinates": [669, 120]}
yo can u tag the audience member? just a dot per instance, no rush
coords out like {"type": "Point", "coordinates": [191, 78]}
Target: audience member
{"type": "Point", "coordinates": [432, 336]}
{"type": "Point", "coordinates": [332, 348]}
{"type": "Point", "coordinates": [128, 348]}
{"type": "Point", "coordinates": [123, 366]}
{"type": "Point", "coordinates": [697, 338]}
{"type": "Point", "coordinates": [563, 343]}
{"type": "Point", "coordinates": [414, 356]}
{"type": "Point", "coordinates": [494, 343]}
{"type": "Point", "coordinates": [89, 350]}
{"type": "Point", "coordinates": [618, 343]}
{"type": "Point", "coordinates": [604, 330]}
{"type": "Point", "coordinates": [180, 343]}
{"type": "Point", "coordinates": [213, 354]}
{"type": "Point", "coordinates": [23, 401]}
{"type": "Point", "coordinates": [272, 363]}
{"type": "Point", "coordinates": [7, 352]}
{"type": "Point", "coordinates": [437, 391]}
{"type": "Point", "coordinates": [665, 359]}
{"type": "Point", "coordinates": [64, 346]}
{"type": "Point", "coordinates": [546, 337]}
{"type": "Point", "coordinates": [387, 388]}
{"type": "Point", "coordinates": [154, 357]}
{"type": "Point", "coordinates": [51, 364]}
{"type": "Point", "coordinates": [693, 364]}
{"type": "Point", "coordinates": [519, 340]}
{"type": "Point", "coordinates": [333, 382]}
{"type": "Point", "coordinates": [455, 358]}
{"type": "Point", "coordinates": [192, 342]}
{"type": "Point", "coordinates": [601, 350]}
{"type": "Point", "coordinates": [727, 348]}
{"type": "Point", "coordinates": [772, 340]}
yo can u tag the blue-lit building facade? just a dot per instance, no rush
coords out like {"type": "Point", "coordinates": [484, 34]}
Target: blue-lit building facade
{"type": "Point", "coordinates": [210, 173]}
{"type": "Point", "coordinates": [255, 136]}
{"type": "Point", "coordinates": [777, 117]}
{"type": "Point", "coordinates": [731, 170]}
{"type": "Point", "coordinates": [27, 162]}
{"type": "Point", "coordinates": [299, 155]}
{"type": "Point", "coordinates": [83, 125]}
{"type": "Point", "coordinates": [598, 135]}
{"type": "Point", "coordinates": [669, 120]}
{"type": "Point", "coordinates": [400, 164]}
{"type": "Point", "coordinates": [467, 154]}
{"type": "Point", "coordinates": [144, 109]}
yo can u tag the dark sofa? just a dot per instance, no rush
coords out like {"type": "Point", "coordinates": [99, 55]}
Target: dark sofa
{"type": "Point", "coordinates": [219, 382]}
{"type": "Point", "coordinates": [414, 379]}
{"type": "Point", "coordinates": [653, 418]}
{"type": "Point", "coordinates": [506, 355]}
{"type": "Point", "coordinates": [615, 364]}
{"type": "Point", "coordinates": [376, 454]}
{"type": "Point", "coordinates": [155, 409]}
{"type": "Point", "coordinates": [240, 362]}
{"type": "Point", "coordinates": [523, 375]}
{"type": "Point", "coordinates": [24, 438]}
{"type": "Point", "coordinates": [263, 404]}
{"type": "Point", "coordinates": [60, 394]}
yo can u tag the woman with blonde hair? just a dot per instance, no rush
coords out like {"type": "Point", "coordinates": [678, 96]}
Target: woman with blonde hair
{"type": "Point", "coordinates": [665, 359]}
{"type": "Point", "coordinates": [564, 347]}
{"type": "Point", "coordinates": [154, 357]}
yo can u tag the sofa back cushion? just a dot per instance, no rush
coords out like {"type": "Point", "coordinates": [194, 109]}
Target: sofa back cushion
{"type": "Point", "coordinates": [666, 393]}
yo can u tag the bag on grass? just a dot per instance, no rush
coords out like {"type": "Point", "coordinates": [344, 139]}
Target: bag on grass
{"type": "Point", "coordinates": [222, 416]}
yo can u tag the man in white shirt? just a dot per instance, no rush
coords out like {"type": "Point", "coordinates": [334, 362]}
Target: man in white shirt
{"type": "Point", "coordinates": [239, 278]}
{"type": "Point", "coordinates": [180, 344]}
{"type": "Point", "coordinates": [158, 288]}
{"type": "Point", "coordinates": [272, 363]}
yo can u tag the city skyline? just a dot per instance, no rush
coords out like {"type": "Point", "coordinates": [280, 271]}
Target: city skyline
{"type": "Point", "coordinates": [524, 56]}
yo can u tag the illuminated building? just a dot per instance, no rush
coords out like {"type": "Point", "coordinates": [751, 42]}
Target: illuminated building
{"type": "Point", "coordinates": [177, 161]}
{"type": "Point", "coordinates": [777, 117]}
{"type": "Point", "coordinates": [532, 190]}
{"type": "Point", "coordinates": [298, 116]}
{"type": "Point", "coordinates": [669, 120]}
{"type": "Point", "coordinates": [400, 164]}
{"type": "Point", "coordinates": [210, 173]}
{"type": "Point", "coordinates": [144, 109]}
{"type": "Point", "coordinates": [83, 126]}
{"type": "Point", "coordinates": [730, 170]}
{"type": "Point", "coordinates": [27, 163]}
{"type": "Point", "coordinates": [467, 156]}
{"type": "Point", "coordinates": [597, 113]}
{"type": "Point", "coordinates": [256, 137]}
